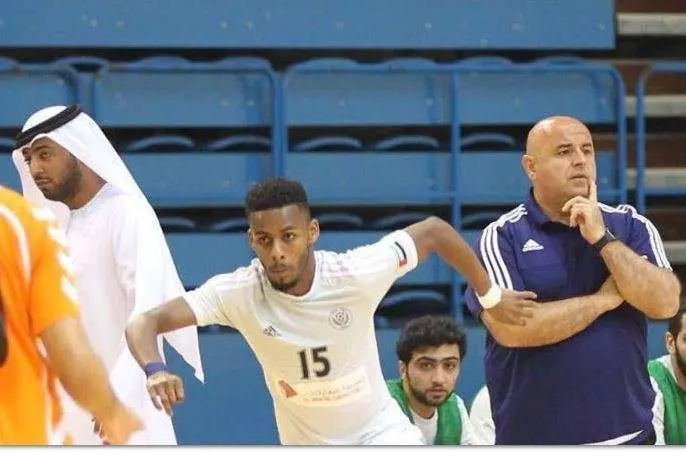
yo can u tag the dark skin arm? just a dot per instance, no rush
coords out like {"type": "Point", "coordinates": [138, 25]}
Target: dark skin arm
{"type": "Point", "coordinates": [435, 235]}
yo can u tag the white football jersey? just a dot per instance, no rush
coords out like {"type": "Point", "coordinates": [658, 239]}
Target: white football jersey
{"type": "Point", "coordinates": [318, 351]}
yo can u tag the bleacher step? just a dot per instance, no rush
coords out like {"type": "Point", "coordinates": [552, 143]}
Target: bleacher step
{"type": "Point", "coordinates": [658, 106]}
{"type": "Point", "coordinates": [651, 24]}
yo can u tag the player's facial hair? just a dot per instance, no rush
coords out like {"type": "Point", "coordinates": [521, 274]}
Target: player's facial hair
{"type": "Point", "coordinates": [680, 359]}
{"type": "Point", "coordinates": [70, 183]}
{"type": "Point", "coordinates": [284, 287]}
{"type": "Point", "coordinates": [422, 397]}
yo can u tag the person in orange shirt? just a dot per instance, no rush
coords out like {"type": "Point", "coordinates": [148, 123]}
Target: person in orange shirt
{"type": "Point", "coordinates": [44, 337]}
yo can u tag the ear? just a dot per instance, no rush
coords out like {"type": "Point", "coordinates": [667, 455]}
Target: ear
{"type": "Point", "coordinates": [670, 343]}
{"type": "Point", "coordinates": [529, 165]}
{"type": "Point", "coordinates": [402, 369]}
{"type": "Point", "coordinates": [313, 232]}
{"type": "Point", "coordinates": [251, 239]}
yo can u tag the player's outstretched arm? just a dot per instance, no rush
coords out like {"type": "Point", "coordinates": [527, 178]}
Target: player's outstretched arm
{"type": "Point", "coordinates": [165, 388]}
{"type": "Point", "coordinates": [436, 235]}
{"type": "Point", "coordinates": [85, 379]}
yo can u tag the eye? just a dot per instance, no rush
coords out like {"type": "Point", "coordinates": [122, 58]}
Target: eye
{"type": "Point", "coordinates": [426, 365]}
{"type": "Point", "coordinates": [450, 367]}
{"type": "Point", "coordinates": [289, 236]}
{"type": "Point", "coordinates": [262, 240]}
{"type": "Point", "coordinates": [563, 152]}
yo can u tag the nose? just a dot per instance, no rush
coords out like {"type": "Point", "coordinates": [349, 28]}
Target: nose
{"type": "Point", "coordinates": [278, 250]}
{"type": "Point", "coordinates": [579, 156]}
{"type": "Point", "coordinates": [440, 377]}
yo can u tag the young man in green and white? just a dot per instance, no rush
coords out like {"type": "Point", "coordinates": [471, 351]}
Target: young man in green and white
{"type": "Point", "coordinates": [430, 350]}
{"type": "Point", "coordinates": [668, 376]}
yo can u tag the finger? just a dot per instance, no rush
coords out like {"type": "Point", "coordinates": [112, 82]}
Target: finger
{"type": "Point", "coordinates": [164, 399]}
{"type": "Point", "coordinates": [170, 389]}
{"type": "Point", "coordinates": [593, 191]}
{"type": "Point", "coordinates": [576, 216]}
{"type": "Point", "coordinates": [180, 393]}
{"type": "Point", "coordinates": [576, 200]}
{"type": "Point", "coordinates": [525, 295]}
{"type": "Point", "coordinates": [154, 397]}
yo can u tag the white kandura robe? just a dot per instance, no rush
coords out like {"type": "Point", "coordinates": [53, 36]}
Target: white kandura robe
{"type": "Point", "coordinates": [123, 268]}
{"type": "Point", "coordinates": [103, 237]}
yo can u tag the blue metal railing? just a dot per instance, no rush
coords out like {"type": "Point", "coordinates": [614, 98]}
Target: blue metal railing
{"type": "Point", "coordinates": [454, 70]}
{"type": "Point", "coordinates": [641, 191]}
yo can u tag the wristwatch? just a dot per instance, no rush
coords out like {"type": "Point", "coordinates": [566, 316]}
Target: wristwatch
{"type": "Point", "coordinates": [603, 241]}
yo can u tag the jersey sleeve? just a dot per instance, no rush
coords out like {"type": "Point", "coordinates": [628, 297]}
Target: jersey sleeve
{"type": "Point", "coordinates": [219, 300]}
{"type": "Point", "coordinates": [52, 290]}
{"type": "Point", "coordinates": [644, 239]}
{"type": "Point", "coordinates": [494, 249]}
{"type": "Point", "coordinates": [380, 264]}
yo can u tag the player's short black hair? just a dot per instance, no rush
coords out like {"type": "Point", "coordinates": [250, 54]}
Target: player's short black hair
{"type": "Point", "coordinates": [275, 193]}
{"type": "Point", "coordinates": [430, 331]}
{"type": "Point", "coordinates": [674, 324]}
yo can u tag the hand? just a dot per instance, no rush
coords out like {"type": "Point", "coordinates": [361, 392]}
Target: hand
{"type": "Point", "coordinates": [166, 390]}
{"type": "Point", "coordinates": [116, 428]}
{"type": "Point", "coordinates": [609, 290]}
{"type": "Point", "coordinates": [514, 308]}
{"type": "Point", "coordinates": [585, 213]}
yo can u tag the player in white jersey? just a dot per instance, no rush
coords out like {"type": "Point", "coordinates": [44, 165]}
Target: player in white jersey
{"type": "Point", "coordinates": [308, 317]}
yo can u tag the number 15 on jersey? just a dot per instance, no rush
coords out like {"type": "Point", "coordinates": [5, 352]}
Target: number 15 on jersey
{"type": "Point", "coordinates": [314, 361]}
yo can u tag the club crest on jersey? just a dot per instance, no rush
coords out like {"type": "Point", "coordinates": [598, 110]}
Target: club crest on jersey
{"type": "Point", "coordinates": [341, 317]}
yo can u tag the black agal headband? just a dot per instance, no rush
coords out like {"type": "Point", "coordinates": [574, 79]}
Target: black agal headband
{"type": "Point", "coordinates": [48, 125]}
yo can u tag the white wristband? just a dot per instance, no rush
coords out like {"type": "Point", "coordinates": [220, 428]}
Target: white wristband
{"type": "Point", "coordinates": [491, 298]}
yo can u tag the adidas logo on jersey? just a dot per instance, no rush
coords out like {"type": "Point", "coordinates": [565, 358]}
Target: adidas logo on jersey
{"type": "Point", "coordinates": [271, 331]}
{"type": "Point", "coordinates": [531, 245]}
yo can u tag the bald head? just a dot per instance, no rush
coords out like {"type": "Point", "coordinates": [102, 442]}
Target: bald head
{"type": "Point", "coordinates": [552, 130]}
{"type": "Point", "coordinates": [559, 161]}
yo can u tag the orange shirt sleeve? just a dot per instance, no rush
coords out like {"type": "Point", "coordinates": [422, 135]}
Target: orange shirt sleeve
{"type": "Point", "coordinates": [53, 293]}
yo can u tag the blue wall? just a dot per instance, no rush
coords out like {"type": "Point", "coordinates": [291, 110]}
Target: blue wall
{"type": "Point", "coordinates": [234, 406]}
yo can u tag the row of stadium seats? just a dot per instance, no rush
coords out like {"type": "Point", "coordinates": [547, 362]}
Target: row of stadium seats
{"type": "Point", "coordinates": [176, 170]}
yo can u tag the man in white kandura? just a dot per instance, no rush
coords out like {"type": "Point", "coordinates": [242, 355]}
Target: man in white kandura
{"type": "Point", "coordinates": [123, 264]}
{"type": "Point", "coordinates": [308, 317]}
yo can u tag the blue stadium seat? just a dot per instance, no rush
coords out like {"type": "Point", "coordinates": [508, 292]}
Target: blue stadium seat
{"type": "Point", "coordinates": [26, 88]}
{"type": "Point", "coordinates": [242, 143]}
{"type": "Point", "coordinates": [230, 225]}
{"type": "Point", "coordinates": [399, 220]}
{"type": "Point", "coordinates": [175, 143]}
{"type": "Point", "coordinates": [407, 142]}
{"type": "Point", "coordinates": [6, 144]}
{"type": "Point", "coordinates": [329, 143]}
{"type": "Point", "coordinates": [85, 67]}
{"type": "Point", "coordinates": [176, 224]}
{"type": "Point", "coordinates": [169, 91]}
{"type": "Point", "coordinates": [339, 221]}
{"type": "Point", "coordinates": [8, 173]}
{"type": "Point", "coordinates": [398, 307]}
{"type": "Point", "coordinates": [500, 141]}
{"type": "Point", "coordinates": [197, 179]}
